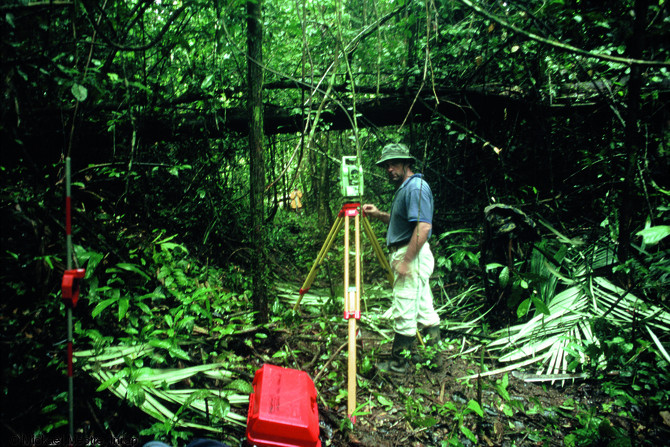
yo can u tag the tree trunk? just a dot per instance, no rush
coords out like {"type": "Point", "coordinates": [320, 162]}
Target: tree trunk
{"type": "Point", "coordinates": [256, 163]}
{"type": "Point", "coordinates": [633, 139]}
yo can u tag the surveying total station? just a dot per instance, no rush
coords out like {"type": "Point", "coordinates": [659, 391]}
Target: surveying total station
{"type": "Point", "coordinates": [352, 190]}
{"type": "Point", "coordinates": [351, 178]}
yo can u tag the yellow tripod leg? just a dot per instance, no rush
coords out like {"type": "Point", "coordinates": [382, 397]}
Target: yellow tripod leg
{"type": "Point", "coordinates": [351, 388]}
{"type": "Point", "coordinates": [352, 306]}
{"type": "Point", "coordinates": [378, 249]}
{"type": "Point", "coordinates": [337, 225]}
{"type": "Point", "coordinates": [348, 304]}
{"type": "Point", "coordinates": [357, 239]}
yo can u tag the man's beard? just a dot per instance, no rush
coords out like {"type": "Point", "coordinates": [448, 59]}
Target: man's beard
{"type": "Point", "coordinates": [397, 181]}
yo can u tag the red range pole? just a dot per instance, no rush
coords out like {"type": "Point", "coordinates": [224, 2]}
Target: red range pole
{"type": "Point", "coordinates": [70, 293]}
{"type": "Point", "coordinates": [68, 242]}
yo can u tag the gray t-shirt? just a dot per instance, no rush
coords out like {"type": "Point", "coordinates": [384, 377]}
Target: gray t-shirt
{"type": "Point", "coordinates": [412, 203]}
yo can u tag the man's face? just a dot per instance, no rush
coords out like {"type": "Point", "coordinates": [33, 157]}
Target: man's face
{"type": "Point", "coordinates": [396, 170]}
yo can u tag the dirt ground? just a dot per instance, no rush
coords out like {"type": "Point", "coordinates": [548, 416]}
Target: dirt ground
{"type": "Point", "coordinates": [427, 406]}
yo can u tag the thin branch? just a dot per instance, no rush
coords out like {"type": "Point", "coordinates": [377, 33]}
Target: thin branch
{"type": "Point", "coordinates": [143, 47]}
{"type": "Point", "coordinates": [559, 45]}
{"type": "Point", "coordinates": [330, 360]}
{"type": "Point", "coordinates": [46, 3]}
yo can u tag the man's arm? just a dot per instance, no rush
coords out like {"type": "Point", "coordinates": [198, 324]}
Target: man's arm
{"type": "Point", "coordinates": [373, 211]}
{"type": "Point", "coordinates": [419, 237]}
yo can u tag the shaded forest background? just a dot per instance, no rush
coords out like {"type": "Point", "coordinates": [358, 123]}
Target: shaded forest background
{"type": "Point", "coordinates": [558, 108]}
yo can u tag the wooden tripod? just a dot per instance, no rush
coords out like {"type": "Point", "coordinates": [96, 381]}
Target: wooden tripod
{"type": "Point", "coordinates": [352, 294]}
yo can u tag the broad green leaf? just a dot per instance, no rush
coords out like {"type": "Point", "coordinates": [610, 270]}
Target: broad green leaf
{"type": "Point", "coordinates": [653, 235]}
{"type": "Point", "coordinates": [49, 408]}
{"type": "Point", "coordinates": [501, 387]}
{"type": "Point", "coordinates": [207, 82]}
{"type": "Point", "coordinates": [426, 422]}
{"type": "Point", "coordinates": [90, 258]}
{"type": "Point", "coordinates": [171, 246]}
{"type": "Point", "coordinates": [132, 268]}
{"type": "Point", "coordinates": [160, 343]}
{"type": "Point", "coordinates": [507, 411]}
{"type": "Point", "coordinates": [102, 306]}
{"type": "Point", "coordinates": [467, 432]}
{"type": "Point", "coordinates": [136, 394]}
{"type": "Point", "coordinates": [474, 406]}
{"type": "Point", "coordinates": [124, 303]}
{"type": "Point", "coordinates": [384, 401]}
{"type": "Point", "coordinates": [113, 379]}
{"type": "Point", "coordinates": [540, 306]}
{"type": "Point", "coordinates": [79, 92]}
{"type": "Point", "coordinates": [504, 277]}
{"type": "Point", "coordinates": [171, 347]}
{"type": "Point", "coordinates": [177, 352]}
{"type": "Point", "coordinates": [146, 309]}
{"type": "Point", "coordinates": [523, 308]}
{"type": "Point", "coordinates": [241, 385]}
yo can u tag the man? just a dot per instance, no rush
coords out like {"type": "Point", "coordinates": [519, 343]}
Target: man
{"type": "Point", "coordinates": [409, 227]}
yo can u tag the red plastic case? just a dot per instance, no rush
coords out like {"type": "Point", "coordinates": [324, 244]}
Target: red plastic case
{"type": "Point", "coordinates": [282, 409]}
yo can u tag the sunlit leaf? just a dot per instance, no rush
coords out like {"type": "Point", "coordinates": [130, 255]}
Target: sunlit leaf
{"type": "Point", "coordinates": [207, 81]}
{"type": "Point", "coordinates": [102, 306]}
{"type": "Point", "coordinates": [540, 306]}
{"type": "Point", "coordinates": [124, 303]}
{"type": "Point", "coordinates": [504, 277]}
{"type": "Point", "coordinates": [132, 268]}
{"type": "Point", "coordinates": [522, 310]}
{"type": "Point", "coordinates": [475, 407]}
{"type": "Point", "coordinates": [240, 385]}
{"type": "Point", "coordinates": [653, 235]}
{"type": "Point", "coordinates": [467, 432]}
{"type": "Point", "coordinates": [79, 92]}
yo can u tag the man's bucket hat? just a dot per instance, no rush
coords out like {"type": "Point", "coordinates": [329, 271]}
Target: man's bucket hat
{"type": "Point", "coordinates": [395, 151]}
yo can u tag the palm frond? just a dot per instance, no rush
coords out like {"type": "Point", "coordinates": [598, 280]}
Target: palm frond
{"type": "Point", "coordinates": [575, 297]}
{"type": "Point", "coordinates": [153, 391]}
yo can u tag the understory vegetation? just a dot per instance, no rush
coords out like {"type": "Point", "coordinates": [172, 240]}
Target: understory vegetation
{"type": "Point", "coordinates": [197, 214]}
{"type": "Point", "coordinates": [166, 347]}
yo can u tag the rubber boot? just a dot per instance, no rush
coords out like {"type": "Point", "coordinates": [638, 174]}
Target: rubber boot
{"type": "Point", "coordinates": [398, 363]}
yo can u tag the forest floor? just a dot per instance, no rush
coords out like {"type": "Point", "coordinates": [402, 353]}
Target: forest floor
{"type": "Point", "coordinates": [430, 406]}
{"type": "Point", "coordinates": [434, 407]}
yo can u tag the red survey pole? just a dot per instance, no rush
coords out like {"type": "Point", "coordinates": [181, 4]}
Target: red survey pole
{"type": "Point", "coordinates": [70, 292]}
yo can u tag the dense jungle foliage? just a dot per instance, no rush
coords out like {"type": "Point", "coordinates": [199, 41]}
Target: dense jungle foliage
{"type": "Point", "coordinates": [540, 125]}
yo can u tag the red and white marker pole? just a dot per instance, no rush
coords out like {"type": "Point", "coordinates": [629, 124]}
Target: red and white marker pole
{"type": "Point", "coordinates": [70, 293]}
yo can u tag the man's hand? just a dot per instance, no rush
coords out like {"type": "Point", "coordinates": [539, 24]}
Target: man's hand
{"type": "Point", "coordinates": [419, 237]}
{"type": "Point", "coordinates": [372, 211]}
{"type": "Point", "coordinates": [402, 269]}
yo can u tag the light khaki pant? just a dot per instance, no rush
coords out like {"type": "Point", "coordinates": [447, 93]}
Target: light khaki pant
{"type": "Point", "coordinates": [412, 306]}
